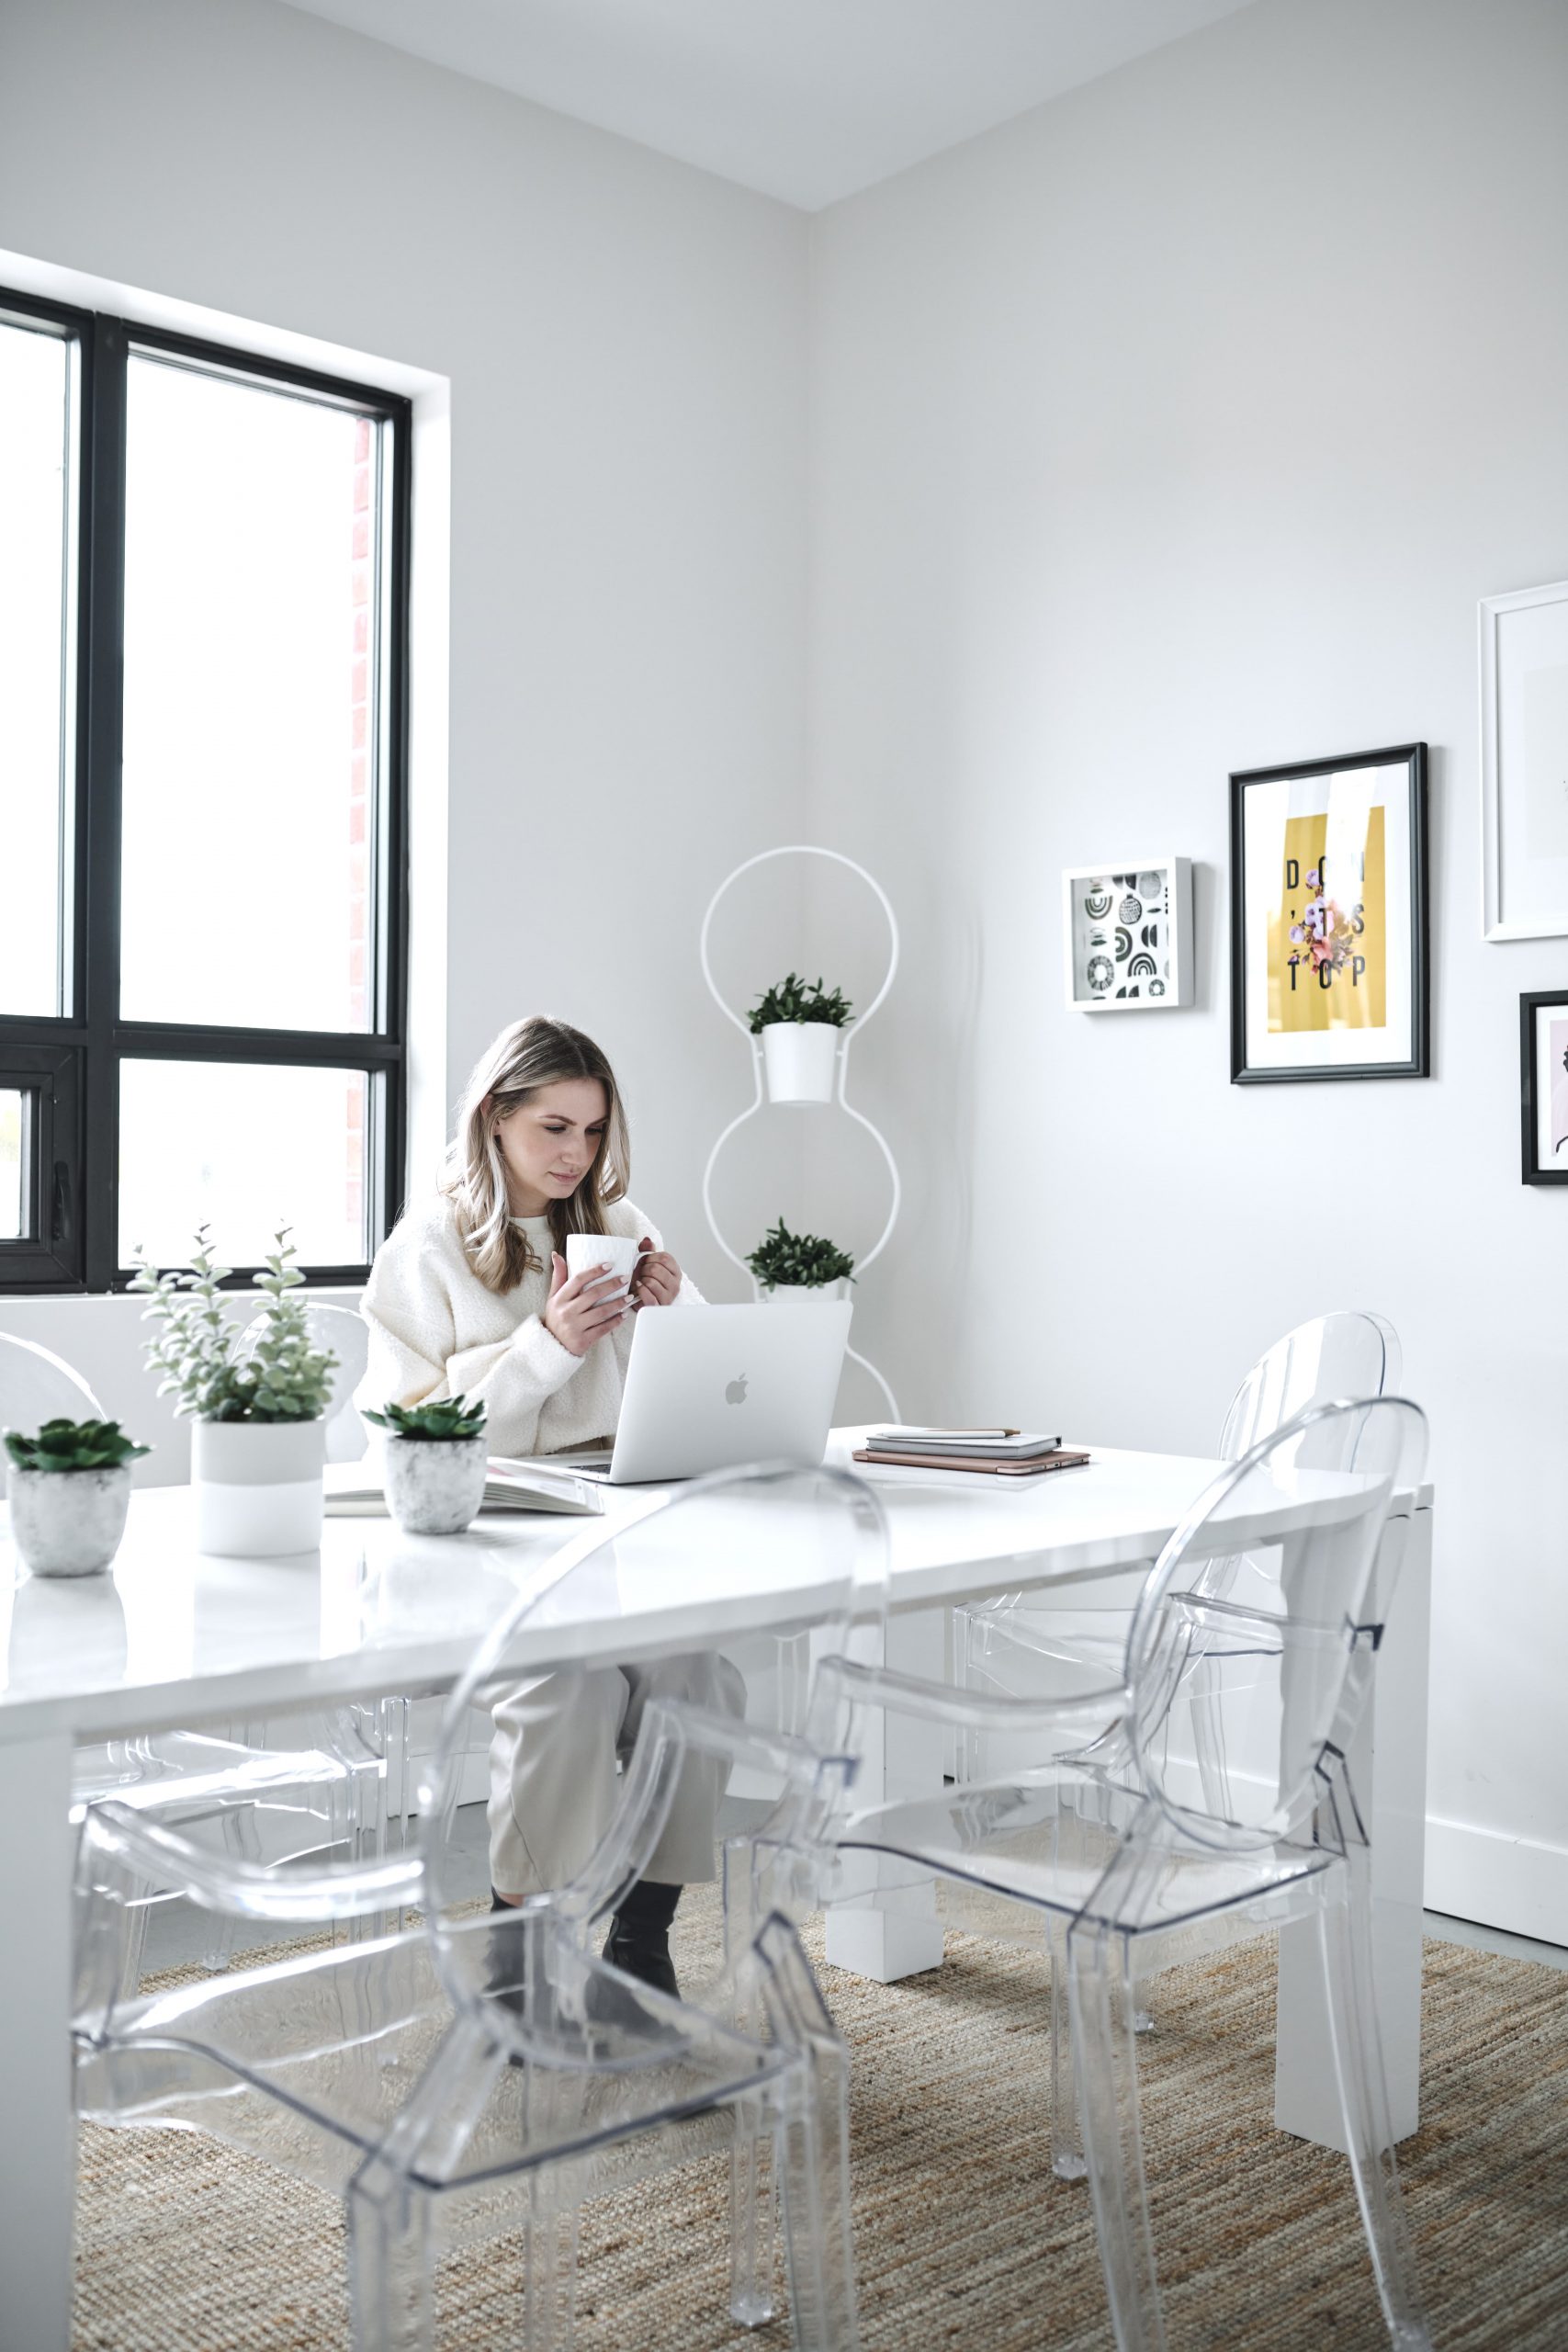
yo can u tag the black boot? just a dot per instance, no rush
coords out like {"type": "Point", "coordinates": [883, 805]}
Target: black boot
{"type": "Point", "coordinates": [639, 1940]}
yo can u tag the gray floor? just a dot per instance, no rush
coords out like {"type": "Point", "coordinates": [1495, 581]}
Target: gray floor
{"type": "Point", "coordinates": [176, 1934]}
{"type": "Point", "coordinates": [1480, 1939]}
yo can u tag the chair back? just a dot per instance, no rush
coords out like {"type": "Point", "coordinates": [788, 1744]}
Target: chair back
{"type": "Point", "coordinates": [1348, 1354]}
{"type": "Point", "coordinates": [37, 1385]}
{"type": "Point", "coordinates": [802, 1551]}
{"type": "Point", "coordinates": [1274, 1663]}
{"type": "Point", "coordinates": [347, 1336]}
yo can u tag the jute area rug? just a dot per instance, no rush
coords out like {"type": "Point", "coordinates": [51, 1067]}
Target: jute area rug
{"type": "Point", "coordinates": [963, 2236]}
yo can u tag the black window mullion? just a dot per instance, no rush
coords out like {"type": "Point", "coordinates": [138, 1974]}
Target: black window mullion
{"type": "Point", "coordinates": [103, 516]}
{"type": "Point", "coordinates": [167, 1041]}
{"type": "Point", "coordinates": [389, 1128]}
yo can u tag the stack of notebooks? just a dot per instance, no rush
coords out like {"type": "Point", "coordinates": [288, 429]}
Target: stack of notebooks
{"type": "Point", "coordinates": [1006, 1453]}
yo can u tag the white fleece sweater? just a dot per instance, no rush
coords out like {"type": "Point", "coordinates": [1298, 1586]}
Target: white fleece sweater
{"type": "Point", "coordinates": [436, 1331]}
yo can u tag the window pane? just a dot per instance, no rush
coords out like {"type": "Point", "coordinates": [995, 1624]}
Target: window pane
{"type": "Point", "coordinates": [244, 1148]}
{"type": "Point", "coordinates": [252, 597]}
{"type": "Point", "coordinates": [36, 577]}
{"type": "Point", "coordinates": [10, 1165]}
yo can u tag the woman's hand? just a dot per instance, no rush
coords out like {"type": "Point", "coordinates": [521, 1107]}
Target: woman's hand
{"type": "Point", "coordinates": [657, 1277]}
{"type": "Point", "coordinates": [578, 1311]}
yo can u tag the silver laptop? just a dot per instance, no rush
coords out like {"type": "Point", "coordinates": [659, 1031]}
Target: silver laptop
{"type": "Point", "coordinates": [709, 1387]}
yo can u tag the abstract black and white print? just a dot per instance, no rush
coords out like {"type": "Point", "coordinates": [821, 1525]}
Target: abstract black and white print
{"type": "Point", "coordinates": [1122, 937]}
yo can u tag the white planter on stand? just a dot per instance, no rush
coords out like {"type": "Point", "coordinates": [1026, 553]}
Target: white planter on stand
{"type": "Point", "coordinates": [805, 1293]}
{"type": "Point", "coordinates": [823, 1081]}
{"type": "Point", "coordinates": [68, 1522]}
{"type": "Point", "coordinates": [258, 1485]}
{"type": "Point", "coordinates": [800, 1057]}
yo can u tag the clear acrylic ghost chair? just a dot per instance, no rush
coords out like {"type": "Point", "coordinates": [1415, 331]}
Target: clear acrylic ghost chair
{"type": "Point", "coordinates": [1105, 1869]}
{"type": "Point", "coordinates": [1040, 1644]}
{"type": "Point", "coordinates": [269, 1802]}
{"type": "Point", "coordinates": [476, 2076]}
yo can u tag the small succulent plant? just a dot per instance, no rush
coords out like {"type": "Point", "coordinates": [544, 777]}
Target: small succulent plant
{"type": "Point", "coordinates": [449, 1419]}
{"type": "Point", "coordinates": [783, 1259]}
{"type": "Point", "coordinates": [73, 1445]}
{"type": "Point", "coordinates": [284, 1378]}
{"type": "Point", "coordinates": [793, 999]}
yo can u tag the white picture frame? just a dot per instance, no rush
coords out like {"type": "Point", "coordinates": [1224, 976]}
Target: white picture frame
{"type": "Point", "coordinates": [1524, 763]}
{"type": "Point", "coordinates": [1119, 962]}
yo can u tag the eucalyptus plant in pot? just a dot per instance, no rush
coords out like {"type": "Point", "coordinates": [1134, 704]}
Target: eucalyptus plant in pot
{"type": "Point", "coordinates": [795, 1268]}
{"type": "Point", "coordinates": [799, 1022]}
{"type": "Point", "coordinates": [70, 1490]}
{"type": "Point", "coordinates": [435, 1457]}
{"type": "Point", "coordinates": [258, 1443]}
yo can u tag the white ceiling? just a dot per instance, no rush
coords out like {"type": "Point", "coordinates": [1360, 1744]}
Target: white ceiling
{"type": "Point", "coordinates": [804, 99]}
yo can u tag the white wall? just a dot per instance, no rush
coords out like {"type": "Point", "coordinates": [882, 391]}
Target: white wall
{"type": "Point", "coordinates": [624, 340]}
{"type": "Point", "coordinates": [1174, 428]}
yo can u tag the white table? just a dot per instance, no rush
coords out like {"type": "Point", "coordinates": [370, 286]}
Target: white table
{"type": "Point", "coordinates": [172, 1637]}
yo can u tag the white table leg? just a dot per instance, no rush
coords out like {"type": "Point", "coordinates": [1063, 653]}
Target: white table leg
{"type": "Point", "coordinates": [38, 2134]}
{"type": "Point", "coordinates": [1388, 1771]}
{"type": "Point", "coordinates": [896, 1932]}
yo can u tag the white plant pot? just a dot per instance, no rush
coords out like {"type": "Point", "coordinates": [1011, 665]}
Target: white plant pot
{"type": "Point", "coordinates": [258, 1487]}
{"type": "Point", "coordinates": [798, 1058]}
{"type": "Point", "coordinates": [69, 1522]}
{"type": "Point", "coordinates": [435, 1485]}
{"type": "Point", "coordinates": [806, 1293]}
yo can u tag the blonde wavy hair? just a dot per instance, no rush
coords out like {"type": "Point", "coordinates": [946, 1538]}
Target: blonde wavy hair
{"type": "Point", "coordinates": [528, 1055]}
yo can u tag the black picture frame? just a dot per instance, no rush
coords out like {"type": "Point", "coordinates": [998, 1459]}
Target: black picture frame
{"type": "Point", "coordinates": [1412, 758]}
{"type": "Point", "coordinates": [1532, 1171]}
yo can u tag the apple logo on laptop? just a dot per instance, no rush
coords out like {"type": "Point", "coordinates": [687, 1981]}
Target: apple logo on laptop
{"type": "Point", "coordinates": [736, 1392]}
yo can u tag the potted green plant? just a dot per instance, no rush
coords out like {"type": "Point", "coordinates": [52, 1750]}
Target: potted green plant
{"type": "Point", "coordinates": [435, 1457]}
{"type": "Point", "coordinates": [258, 1443]}
{"type": "Point", "coordinates": [799, 1022]}
{"type": "Point", "coordinates": [69, 1489]}
{"type": "Point", "coordinates": [794, 1268]}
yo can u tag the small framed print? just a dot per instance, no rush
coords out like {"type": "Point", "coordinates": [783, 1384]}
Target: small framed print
{"type": "Point", "coordinates": [1328, 918]}
{"type": "Point", "coordinates": [1543, 1086]}
{"type": "Point", "coordinates": [1524, 763]}
{"type": "Point", "coordinates": [1127, 929]}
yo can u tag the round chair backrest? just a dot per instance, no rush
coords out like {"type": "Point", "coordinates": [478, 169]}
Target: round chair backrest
{"type": "Point", "coordinates": [1276, 1663]}
{"type": "Point", "coordinates": [346, 1336]}
{"type": "Point", "coordinates": [686, 1580]}
{"type": "Point", "coordinates": [1348, 1354]}
{"type": "Point", "coordinates": [37, 1386]}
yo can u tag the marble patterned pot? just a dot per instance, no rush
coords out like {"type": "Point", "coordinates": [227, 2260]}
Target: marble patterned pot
{"type": "Point", "coordinates": [258, 1487]}
{"type": "Point", "coordinates": [435, 1485]}
{"type": "Point", "coordinates": [68, 1522]}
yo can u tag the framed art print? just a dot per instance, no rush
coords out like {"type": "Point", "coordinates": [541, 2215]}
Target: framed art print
{"type": "Point", "coordinates": [1543, 1086]}
{"type": "Point", "coordinates": [1127, 929]}
{"type": "Point", "coordinates": [1328, 918]}
{"type": "Point", "coordinates": [1524, 763]}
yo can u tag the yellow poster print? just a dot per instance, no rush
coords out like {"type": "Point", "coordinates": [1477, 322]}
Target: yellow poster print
{"type": "Point", "coordinates": [1327, 927]}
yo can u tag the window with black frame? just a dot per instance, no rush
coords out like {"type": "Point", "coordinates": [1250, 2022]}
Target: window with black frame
{"type": "Point", "coordinates": [203, 925]}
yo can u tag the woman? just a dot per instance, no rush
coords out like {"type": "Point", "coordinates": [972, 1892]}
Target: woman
{"type": "Point", "coordinates": [470, 1295]}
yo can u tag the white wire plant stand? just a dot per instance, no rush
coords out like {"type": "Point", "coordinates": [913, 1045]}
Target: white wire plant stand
{"type": "Point", "coordinates": [846, 1038]}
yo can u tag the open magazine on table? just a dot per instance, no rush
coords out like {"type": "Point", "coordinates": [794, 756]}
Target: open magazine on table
{"type": "Point", "coordinates": [354, 1489]}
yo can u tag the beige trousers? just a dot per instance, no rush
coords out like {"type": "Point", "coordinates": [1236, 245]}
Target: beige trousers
{"type": "Point", "coordinates": [552, 1769]}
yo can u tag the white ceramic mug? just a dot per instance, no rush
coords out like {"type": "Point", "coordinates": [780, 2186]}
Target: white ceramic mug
{"type": "Point", "coordinates": [612, 1250]}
